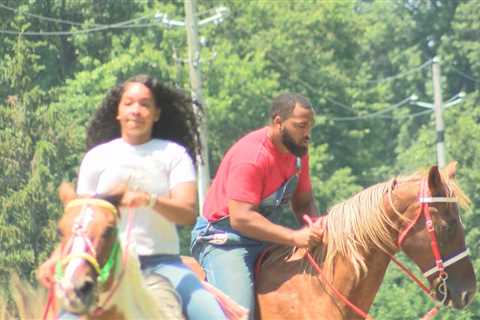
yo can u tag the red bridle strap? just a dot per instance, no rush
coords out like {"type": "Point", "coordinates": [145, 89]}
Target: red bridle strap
{"type": "Point", "coordinates": [344, 299]}
{"type": "Point", "coordinates": [425, 199]}
{"type": "Point", "coordinates": [324, 279]}
{"type": "Point", "coordinates": [465, 253]}
{"type": "Point", "coordinates": [431, 229]}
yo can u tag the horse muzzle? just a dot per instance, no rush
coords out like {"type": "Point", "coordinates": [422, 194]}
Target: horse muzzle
{"type": "Point", "coordinates": [454, 296]}
{"type": "Point", "coordinates": [78, 296]}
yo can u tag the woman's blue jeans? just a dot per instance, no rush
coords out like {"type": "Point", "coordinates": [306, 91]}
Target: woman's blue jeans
{"type": "Point", "coordinates": [197, 302]}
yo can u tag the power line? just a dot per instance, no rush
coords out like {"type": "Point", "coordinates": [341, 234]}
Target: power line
{"type": "Point", "coordinates": [377, 114]}
{"type": "Point", "coordinates": [465, 75]}
{"type": "Point", "coordinates": [342, 105]}
{"type": "Point", "coordinates": [402, 74]}
{"type": "Point", "coordinates": [411, 115]}
{"type": "Point", "coordinates": [119, 25]}
{"type": "Point", "coordinates": [43, 17]}
{"type": "Point", "coordinates": [339, 104]}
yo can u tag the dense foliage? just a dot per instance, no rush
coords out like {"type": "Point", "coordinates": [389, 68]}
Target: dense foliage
{"type": "Point", "coordinates": [356, 61]}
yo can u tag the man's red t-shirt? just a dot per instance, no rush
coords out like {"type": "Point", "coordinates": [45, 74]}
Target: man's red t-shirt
{"type": "Point", "coordinates": [252, 170]}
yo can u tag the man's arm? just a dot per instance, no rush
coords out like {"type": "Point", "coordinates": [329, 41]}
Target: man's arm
{"type": "Point", "coordinates": [303, 203]}
{"type": "Point", "coordinates": [245, 219]}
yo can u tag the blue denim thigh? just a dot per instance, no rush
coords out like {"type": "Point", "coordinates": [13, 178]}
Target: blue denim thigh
{"type": "Point", "coordinates": [64, 315]}
{"type": "Point", "coordinates": [230, 268]}
{"type": "Point", "coordinates": [197, 302]}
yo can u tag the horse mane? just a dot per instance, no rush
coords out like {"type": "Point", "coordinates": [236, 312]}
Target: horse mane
{"type": "Point", "coordinates": [27, 302]}
{"type": "Point", "coordinates": [360, 223]}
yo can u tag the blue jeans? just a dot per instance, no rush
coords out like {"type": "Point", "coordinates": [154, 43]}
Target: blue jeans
{"type": "Point", "coordinates": [197, 302]}
{"type": "Point", "coordinates": [230, 266]}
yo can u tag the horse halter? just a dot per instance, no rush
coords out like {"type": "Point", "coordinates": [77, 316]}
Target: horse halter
{"type": "Point", "coordinates": [425, 198]}
{"type": "Point", "coordinates": [79, 232]}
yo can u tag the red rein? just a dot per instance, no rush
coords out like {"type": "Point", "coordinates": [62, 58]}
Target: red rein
{"type": "Point", "coordinates": [425, 209]}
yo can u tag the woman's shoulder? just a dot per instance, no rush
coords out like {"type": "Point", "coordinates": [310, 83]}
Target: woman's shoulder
{"type": "Point", "coordinates": [170, 151]}
{"type": "Point", "coordinates": [167, 145]}
{"type": "Point", "coordinates": [105, 148]}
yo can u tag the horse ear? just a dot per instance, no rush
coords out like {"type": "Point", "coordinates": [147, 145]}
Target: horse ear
{"type": "Point", "coordinates": [450, 170]}
{"type": "Point", "coordinates": [435, 183]}
{"type": "Point", "coordinates": [66, 192]}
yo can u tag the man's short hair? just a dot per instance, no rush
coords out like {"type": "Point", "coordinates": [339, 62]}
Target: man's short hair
{"type": "Point", "coordinates": [284, 104]}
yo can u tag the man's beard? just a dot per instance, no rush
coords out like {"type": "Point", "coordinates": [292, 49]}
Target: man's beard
{"type": "Point", "coordinates": [290, 144]}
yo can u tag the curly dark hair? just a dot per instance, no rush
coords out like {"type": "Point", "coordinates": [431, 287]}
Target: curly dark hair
{"type": "Point", "coordinates": [177, 123]}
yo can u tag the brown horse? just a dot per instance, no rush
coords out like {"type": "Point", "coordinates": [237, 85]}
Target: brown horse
{"type": "Point", "coordinates": [364, 233]}
{"type": "Point", "coordinates": [95, 276]}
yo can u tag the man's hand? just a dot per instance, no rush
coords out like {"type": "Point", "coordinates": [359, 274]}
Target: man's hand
{"type": "Point", "coordinates": [313, 234]}
{"type": "Point", "coordinates": [307, 237]}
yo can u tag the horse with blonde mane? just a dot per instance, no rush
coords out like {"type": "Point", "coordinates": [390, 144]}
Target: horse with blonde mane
{"type": "Point", "coordinates": [418, 215]}
{"type": "Point", "coordinates": [96, 276]}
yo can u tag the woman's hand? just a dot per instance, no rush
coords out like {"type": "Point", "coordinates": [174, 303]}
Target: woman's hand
{"type": "Point", "coordinates": [178, 205]}
{"type": "Point", "coordinates": [135, 199]}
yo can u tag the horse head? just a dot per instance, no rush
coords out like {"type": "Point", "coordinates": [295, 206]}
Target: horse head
{"type": "Point", "coordinates": [432, 234]}
{"type": "Point", "coordinates": [90, 250]}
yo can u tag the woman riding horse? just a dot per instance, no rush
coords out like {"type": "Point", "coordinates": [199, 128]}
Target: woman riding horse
{"type": "Point", "coordinates": [144, 136]}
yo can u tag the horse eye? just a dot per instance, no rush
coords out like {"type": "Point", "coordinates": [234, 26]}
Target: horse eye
{"type": "Point", "coordinates": [452, 225]}
{"type": "Point", "coordinates": [59, 233]}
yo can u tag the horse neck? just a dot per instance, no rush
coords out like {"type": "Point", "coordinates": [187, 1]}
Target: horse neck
{"type": "Point", "coordinates": [360, 292]}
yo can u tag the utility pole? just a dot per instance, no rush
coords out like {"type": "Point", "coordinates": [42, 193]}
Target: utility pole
{"type": "Point", "coordinates": [191, 24]}
{"type": "Point", "coordinates": [439, 125]}
{"type": "Point", "coordinates": [203, 170]}
{"type": "Point", "coordinates": [438, 106]}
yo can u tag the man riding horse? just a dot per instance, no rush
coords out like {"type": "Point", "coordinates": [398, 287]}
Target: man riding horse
{"type": "Point", "coordinates": [264, 171]}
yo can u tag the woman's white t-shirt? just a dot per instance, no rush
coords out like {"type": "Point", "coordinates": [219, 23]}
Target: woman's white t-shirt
{"type": "Point", "coordinates": [156, 167]}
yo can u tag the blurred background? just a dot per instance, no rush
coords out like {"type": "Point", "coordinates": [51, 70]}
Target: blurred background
{"type": "Point", "coordinates": [395, 85]}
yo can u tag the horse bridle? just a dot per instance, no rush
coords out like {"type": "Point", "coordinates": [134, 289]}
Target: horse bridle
{"type": "Point", "coordinates": [425, 199]}
{"type": "Point", "coordinates": [79, 231]}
